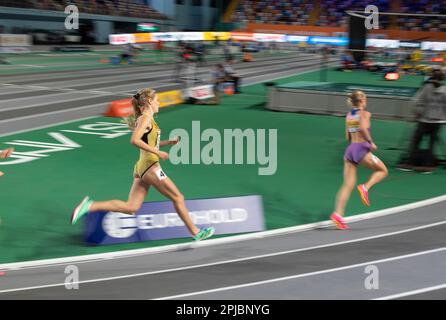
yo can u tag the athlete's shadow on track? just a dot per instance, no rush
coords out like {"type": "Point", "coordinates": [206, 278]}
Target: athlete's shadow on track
{"type": "Point", "coordinates": [60, 238]}
{"type": "Point", "coordinates": [259, 106]}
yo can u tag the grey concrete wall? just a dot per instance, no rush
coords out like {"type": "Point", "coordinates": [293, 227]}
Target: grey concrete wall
{"type": "Point", "coordinates": [318, 102]}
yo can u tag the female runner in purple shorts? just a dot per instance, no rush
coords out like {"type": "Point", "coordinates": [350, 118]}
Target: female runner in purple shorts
{"type": "Point", "coordinates": [357, 131]}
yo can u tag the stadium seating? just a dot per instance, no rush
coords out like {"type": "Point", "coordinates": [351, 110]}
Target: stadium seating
{"type": "Point", "coordinates": [422, 23]}
{"type": "Point", "coordinates": [294, 12]}
{"type": "Point", "coordinates": [127, 8]}
{"type": "Point", "coordinates": [331, 13]}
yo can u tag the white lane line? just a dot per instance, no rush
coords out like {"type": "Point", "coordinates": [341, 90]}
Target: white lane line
{"type": "Point", "coordinates": [52, 95]}
{"type": "Point", "coordinates": [62, 101]}
{"type": "Point", "coordinates": [53, 112]}
{"type": "Point", "coordinates": [23, 89]}
{"type": "Point", "coordinates": [2, 267]}
{"type": "Point", "coordinates": [33, 88]}
{"type": "Point", "coordinates": [12, 85]}
{"type": "Point", "coordinates": [56, 89]}
{"type": "Point", "coordinates": [7, 90]}
{"type": "Point", "coordinates": [302, 275]}
{"type": "Point", "coordinates": [99, 92]}
{"type": "Point", "coordinates": [413, 292]}
{"type": "Point", "coordinates": [142, 84]}
{"type": "Point", "coordinates": [143, 75]}
{"type": "Point", "coordinates": [48, 126]}
{"type": "Point", "coordinates": [31, 65]}
{"type": "Point", "coordinates": [39, 87]}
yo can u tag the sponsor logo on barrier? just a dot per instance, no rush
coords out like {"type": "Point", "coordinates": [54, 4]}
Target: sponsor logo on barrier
{"type": "Point", "coordinates": [328, 40]}
{"type": "Point", "coordinates": [201, 92]}
{"type": "Point", "coordinates": [410, 44]}
{"type": "Point", "coordinates": [177, 36]}
{"type": "Point", "coordinates": [212, 36]}
{"type": "Point", "coordinates": [142, 37]}
{"type": "Point", "coordinates": [296, 32]}
{"type": "Point", "coordinates": [242, 36]}
{"type": "Point", "coordinates": [190, 36]}
{"type": "Point", "coordinates": [290, 38]}
{"type": "Point", "coordinates": [158, 220]}
{"type": "Point", "coordinates": [383, 43]}
{"type": "Point", "coordinates": [15, 40]}
{"type": "Point", "coordinates": [265, 37]}
{"type": "Point", "coordinates": [435, 46]}
{"type": "Point", "coordinates": [123, 108]}
{"type": "Point", "coordinates": [118, 39]}
{"type": "Point", "coordinates": [120, 225]}
{"type": "Point", "coordinates": [163, 36]}
{"type": "Point", "coordinates": [15, 49]}
{"type": "Point", "coordinates": [121, 39]}
{"type": "Point", "coordinates": [169, 98]}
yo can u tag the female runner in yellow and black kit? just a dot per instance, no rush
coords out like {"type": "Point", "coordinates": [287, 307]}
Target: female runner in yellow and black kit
{"type": "Point", "coordinates": [147, 172]}
{"type": "Point", "coordinates": [148, 159]}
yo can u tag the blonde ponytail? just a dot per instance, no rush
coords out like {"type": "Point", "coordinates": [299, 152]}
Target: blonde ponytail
{"type": "Point", "coordinates": [141, 98]}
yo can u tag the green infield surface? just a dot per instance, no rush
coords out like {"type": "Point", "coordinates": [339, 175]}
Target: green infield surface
{"type": "Point", "coordinates": [37, 196]}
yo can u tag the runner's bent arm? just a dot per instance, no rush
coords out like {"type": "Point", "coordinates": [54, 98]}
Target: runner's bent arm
{"type": "Point", "coordinates": [363, 125]}
{"type": "Point", "coordinates": [347, 134]}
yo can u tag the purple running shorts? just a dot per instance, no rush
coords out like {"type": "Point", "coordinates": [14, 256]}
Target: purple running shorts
{"type": "Point", "coordinates": [356, 151]}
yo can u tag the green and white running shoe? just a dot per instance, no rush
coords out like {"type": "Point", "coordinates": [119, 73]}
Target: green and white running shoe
{"type": "Point", "coordinates": [204, 234]}
{"type": "Point", "coordinates": [81, 210]}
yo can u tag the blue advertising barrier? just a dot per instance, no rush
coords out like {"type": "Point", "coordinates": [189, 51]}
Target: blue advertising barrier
{"type": "Point", "coordinates": [328, 40]}
{"type": "Point", "coordinates": [158, 220]}
{"type": "Point", "coordinates": [296, 39]}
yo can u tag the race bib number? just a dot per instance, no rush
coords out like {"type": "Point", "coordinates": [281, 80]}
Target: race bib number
{"type": "Point", "coordinates": [160, 174]}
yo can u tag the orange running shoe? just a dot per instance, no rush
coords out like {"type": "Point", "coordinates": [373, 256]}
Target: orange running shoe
{"type": "Point", "coordinates": [364, 193]}
{"type": "Point", "coordinates": [338, 221]}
